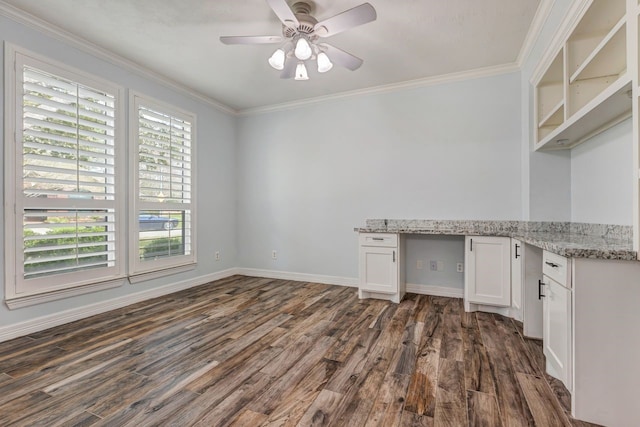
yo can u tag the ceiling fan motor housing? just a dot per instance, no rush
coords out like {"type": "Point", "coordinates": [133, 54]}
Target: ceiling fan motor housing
{"type": "Point", "coordinates": [302, 10]}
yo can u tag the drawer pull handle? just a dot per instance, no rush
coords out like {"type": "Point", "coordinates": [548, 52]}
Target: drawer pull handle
{"type": "Point", "coordinates": [378, 239]}
{"type": "Point", "coordinates": [540, 285]}
{"type": "Point", "coordinates": [552, 264]}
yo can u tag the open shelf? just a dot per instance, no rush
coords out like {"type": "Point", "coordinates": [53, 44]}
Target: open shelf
{"type": "Point", "coordinates": [607, 58]}
{"type": "Point", "coordinates": [555, 117]}
{"type": "Point", "coordinates": [607, 109]}
{"type": "Point", "coordinates": [599, 21]}
{"type": "Point", "coordinates": [586, 87]}
{"type": "Point", "coordinates": [550, 97]}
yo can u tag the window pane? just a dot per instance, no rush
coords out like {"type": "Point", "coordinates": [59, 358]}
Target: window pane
{"type": "Point", "coordinates": [62, 241]}
{"type": "Point", "coordinates": [164, 233]}
{"type": "Point", "coordinates": [164, 145]}
{"type": "Point", "coordinates": [68, 139]}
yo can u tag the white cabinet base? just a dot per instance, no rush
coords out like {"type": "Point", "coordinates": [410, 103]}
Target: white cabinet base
{"type": "Point", "coordinates": [606, 367]}
{"type": "Point", "coordinates": [557, 331]}
{"type": "Point", "coordinates": [395, 297]}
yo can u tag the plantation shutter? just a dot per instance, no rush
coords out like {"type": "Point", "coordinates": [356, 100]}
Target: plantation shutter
{"type": "Point", "coordinates": [164, 163]}
{"type": "Point", "coordinates": [68, 200]}
{"type": "Point", "coordinates": [164, 156]}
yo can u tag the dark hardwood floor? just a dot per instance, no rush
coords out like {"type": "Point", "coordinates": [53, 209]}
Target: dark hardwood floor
{"type": "Point", "coordinates": [249, 352]}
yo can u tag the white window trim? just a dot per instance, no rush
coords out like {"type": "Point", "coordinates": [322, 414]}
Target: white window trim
{"type": "Point", "coordinates": [14, 295]}
{"type": "Point", "coordinates": [140, 271]}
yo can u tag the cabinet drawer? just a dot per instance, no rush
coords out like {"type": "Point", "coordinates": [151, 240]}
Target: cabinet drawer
{"type": "Point", "coordinates": [388, 240]}
{"type": "Point", "coordinates": [557, 268]}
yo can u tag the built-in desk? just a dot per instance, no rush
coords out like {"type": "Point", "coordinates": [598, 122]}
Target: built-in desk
{"type": "Point", "coordinates": [596, 295]}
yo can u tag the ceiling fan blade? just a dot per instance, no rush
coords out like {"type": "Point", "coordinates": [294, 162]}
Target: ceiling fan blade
{"type": "Point", "coordinates": [284, 13]}
{"type": "Point", "coordinates": [250, 39]}
{"type": "Point", "coordinates": [348, 19]}
{"type": "Point", "coordinates": [289, 70]}
{"type": "Point", "coordinates": [340, 57]}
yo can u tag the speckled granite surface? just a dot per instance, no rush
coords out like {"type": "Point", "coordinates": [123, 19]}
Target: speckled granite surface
{"type": "Point", "coordinates": [574, 240]}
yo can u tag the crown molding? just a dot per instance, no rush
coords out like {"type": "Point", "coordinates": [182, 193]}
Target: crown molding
{"type": "Point", "coordinates": [570, 20]}
{"type": "Point", "coordinates": [58, 33]}
{"type": "Point", "coordinates": [539, 19]}
{"type": "Point", "coordinates": [409, 84]}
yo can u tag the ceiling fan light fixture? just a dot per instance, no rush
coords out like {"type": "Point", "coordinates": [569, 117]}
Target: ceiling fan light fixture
{"type": "Point", "coordinates": [277, 59]}
{"type": "Point", "coordinates": [303, 49]}
{"type": "Point", "coordinates": [301, 72]}
{"type": "Point", "coordinates": [324, 63]}
{"type": "Point", "coordinates": [299, 42]}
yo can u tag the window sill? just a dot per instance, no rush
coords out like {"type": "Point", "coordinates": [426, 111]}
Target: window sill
{"type": "Point", "coordinates": [34, 299]}
{"type": "Point", "coordinates": [155, 274]}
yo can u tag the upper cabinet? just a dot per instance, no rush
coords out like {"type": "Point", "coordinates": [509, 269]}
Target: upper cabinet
{"type": "Point", "coordinates": [585, 87]}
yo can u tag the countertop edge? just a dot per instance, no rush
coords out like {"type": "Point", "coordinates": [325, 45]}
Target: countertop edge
{"type": "Point", "coordinates": [559, 249]}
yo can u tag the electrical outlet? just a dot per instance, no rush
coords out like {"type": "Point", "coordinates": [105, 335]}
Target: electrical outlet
{"type": "Point", "coordinates": [217, 255]}
{"type": "Point", "coordinates": [274, 254]}
{"type": "Point", "coordinates": [419, 264]}
{"type": "Point", "coordinates": [460, 267]}
{"type": "Point", "coordinates": [440, 265]}
{"type": "Point", "coordinates": [433, 265]}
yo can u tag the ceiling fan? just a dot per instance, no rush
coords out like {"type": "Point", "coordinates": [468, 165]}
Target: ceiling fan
{"type": "Point", "coordinates": [301, 34]}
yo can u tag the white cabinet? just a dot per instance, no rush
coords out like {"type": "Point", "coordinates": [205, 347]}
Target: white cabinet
{"type": "Point", "coordinates": [517, 276]}
{"type": "Point", "coordinates": [380, 272]}
{"type": "Point", "coordinates": [557, 317]}
{"type": "Point", "coordinates": [531, 300]}
{"type": "Point", "coordinates": [581, 85]}
{"type": "Point", "coordinates": [488, 272]}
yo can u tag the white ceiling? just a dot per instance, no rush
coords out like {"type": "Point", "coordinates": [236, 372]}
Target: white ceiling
{"type": "Point", "coordinates": [411, 39]}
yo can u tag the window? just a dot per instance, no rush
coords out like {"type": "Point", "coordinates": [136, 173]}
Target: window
{"type": "Point", "coordinates": [63, 178]}
{"type": "Point", "coordinates": [161, 153]}
{"type": "Point", "coordinates": [65, 183]}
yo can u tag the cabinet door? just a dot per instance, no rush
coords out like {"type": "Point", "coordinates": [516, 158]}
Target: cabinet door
{"type": "Point", "coordinates": [517, 252]}
{"type": "Point", "coordinates": [557, 330]}
{"type": "Point", "coordinates": [488, 278]}
{"type": "Point", "coordinates": [378, 269]}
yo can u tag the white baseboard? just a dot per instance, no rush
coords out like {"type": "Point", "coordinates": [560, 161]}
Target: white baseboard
{"type": "Point", "coordinates": [300, 277]}
{"type": "Point", "coordinates": [45, 322]}
{"type": "Point", "coordinates": [436, 291]}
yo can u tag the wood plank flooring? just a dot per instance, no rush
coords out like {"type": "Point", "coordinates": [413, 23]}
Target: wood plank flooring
{"type": "Point", "coordinates": [261, 352]}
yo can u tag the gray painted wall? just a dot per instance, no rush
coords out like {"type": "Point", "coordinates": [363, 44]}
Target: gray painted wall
{"type": "Point", "coordinates": [307, 176]}
{"type": "Point", "coordinates": [216, 174]}
{"type": "Point", "coordinates": [602, 178]}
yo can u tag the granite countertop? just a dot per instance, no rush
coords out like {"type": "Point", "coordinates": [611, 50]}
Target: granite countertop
{"type": "Point", "coordinates": [573, 240]}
